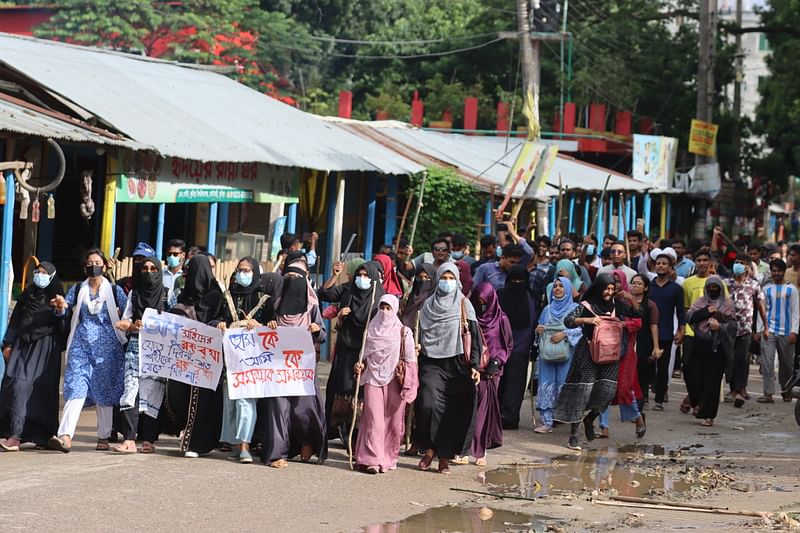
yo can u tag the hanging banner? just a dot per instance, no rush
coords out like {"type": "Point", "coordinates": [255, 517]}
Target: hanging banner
{"type": "Point", "coordinates": [173, 180]}
{"type": "Point", "coordinates": [654, 159]}
{"type": "Point", "coordinates": [180, 349]}
{"type": "Point", "coordinates": [264, 362]}
{"type": "Point", "coordinates": [523, 168]}
{"type": "Point", "coordinates": [702, 181]}
{"type": "Point", "coordinates": [703, 138]}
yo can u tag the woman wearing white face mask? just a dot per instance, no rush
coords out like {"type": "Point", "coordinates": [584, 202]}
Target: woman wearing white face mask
{"type": "Point", "coordinates": [445, 403]}
{"type": "Point", "coordinates": [95, 351]}
{"type": "Point", "coordinates": [358, 300]}
{"type": "Point", "coordinates": [239, 416]}
{"type": "Point", "coordinates": [32, 350]}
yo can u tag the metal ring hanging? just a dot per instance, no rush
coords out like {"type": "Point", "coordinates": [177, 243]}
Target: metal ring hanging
{"type": "Point", "coordinates": [62, 166]}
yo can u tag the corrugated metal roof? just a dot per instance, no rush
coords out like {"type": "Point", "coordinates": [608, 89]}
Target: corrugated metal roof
{"type": "Point", "coordinates": [193, 114]}
{"type": "Point", "coordinates": [27, 120]}
{"type": "Point", "coordinates": [484, 161]}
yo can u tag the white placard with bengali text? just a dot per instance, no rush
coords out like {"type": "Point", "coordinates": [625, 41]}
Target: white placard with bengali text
{"type": "Point", "coordinates": [180, 349]}
{"type": "Point", "coordinates": [264, 362]}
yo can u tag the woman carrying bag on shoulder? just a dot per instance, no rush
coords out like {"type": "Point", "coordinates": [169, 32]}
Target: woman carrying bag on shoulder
{"type": "Point", "coordinates": [556, 346]}
{"type": "Point", "coordinates": [389, 374]}
{"type": "Point", "coordinates": [445, 403]}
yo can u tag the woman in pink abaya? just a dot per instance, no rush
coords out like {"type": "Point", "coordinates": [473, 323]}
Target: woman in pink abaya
{"type": "Point", "coordinates": [385, 393]}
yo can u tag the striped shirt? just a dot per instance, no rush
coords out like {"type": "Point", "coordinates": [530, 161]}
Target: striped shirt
{"type": "Point", "coordinates": [783, 311]}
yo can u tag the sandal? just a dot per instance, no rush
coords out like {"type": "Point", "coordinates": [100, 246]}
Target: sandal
{"type": "Point", "coordinates": [460, 460]}
{"type": "Point", "coordinates": [425, 462]}
{"type": "Point", "coordinates": [707, 423]}
{"type": "Point", "coordinates": [148, 447]}
{"type": "Point", "coordinates": [102, 445]}
{"type": "Point", "coordinates": [480, 461]}
{"type": "Point", "coordinates": [685, 406]}
{"type": "Point", "coordinates": [125, 448]}
{"type": "Point", "coordinates": [603, 433]}
{"type": "Point", "coordinates": [444, 467]}
{"type": "Point", "coordinates": [60, 444]}
{"type": "Point", "coordinates": [641, 429]}
{"type": "Point", "coordinates": [542, 429]}
{"type": "Point", "coordinates": [280, 463]}
{"type": "Point", "coordinates": [765, 399]}
{"type": "Point", "coordinates": [9, 447]}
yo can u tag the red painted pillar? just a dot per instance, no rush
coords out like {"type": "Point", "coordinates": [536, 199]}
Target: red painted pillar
{"type": "Point", "coordinates": [597, 117]}
{"type": "Point", "coordinates": [381, 115]}
{"type": "Point", "coordinates": [447, 116]}
{"type": "Point", "coordinates": [345, 104]}
{"type": "Point", "coordinates": [646, 125]}
{"type": "Point", "coordinates": [623, 123]}
{"type": "Point", "coordinates": [417, 110]}
{"type": "Point", "coordinates": [556, 126]}
{"type": "Point", "coordinates": [570, 112]}
{"type": "Point", "coordinates": [502, 118]}
{"type": "Point", "coordinates": [470, 113]}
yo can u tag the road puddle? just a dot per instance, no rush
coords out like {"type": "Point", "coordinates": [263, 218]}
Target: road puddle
{"type": "Point", "coordinates": [456, 519]}
{"type": "Point", "coordinates": [640, 470]}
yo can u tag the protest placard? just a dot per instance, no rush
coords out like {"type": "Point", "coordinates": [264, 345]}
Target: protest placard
{"type": "Point", "coordinates": [264, 362]}
{"type": "Point", "coordinates": [180, 349]}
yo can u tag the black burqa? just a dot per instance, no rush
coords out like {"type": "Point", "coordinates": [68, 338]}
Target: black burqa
{"type": "Point", "coordinates": [518, 304]}
{"type": "Point", "coordinates": [292, 422]}
{"type": "Point", "coordinates": [194, 410]}
{"type": "Point", "coordinates": [341, 381]}
{"type": "Point", "coordinates": [29, 397]}
{"type": "Point", "coordinates": [420, 291]}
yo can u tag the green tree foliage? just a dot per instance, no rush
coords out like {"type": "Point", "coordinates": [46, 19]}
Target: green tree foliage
{"type": "Point", "coordinates": [448, 203]}
{"type": "Point", "coordinates": [779, 111]}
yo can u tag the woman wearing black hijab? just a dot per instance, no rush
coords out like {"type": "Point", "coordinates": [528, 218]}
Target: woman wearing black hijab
{"type": "Point", "coordinates": [358, 300]}
{"type": "Point", "coordinates": [32, 349]}
{"type": "Point", "coordinates": [141, 396]}
{"type": "Point", "coordinates": [295, 425]}
{"type": "Point", "coordinates": [197, 411]}
{"type": "Point", "coordinates": [423, 287]}
{"type": "Point", "coordinates": [589, 386]}
{"type": "Point", "coordinates": [239, 415]}
{"type": "Point", "coordinates": [520, 308]}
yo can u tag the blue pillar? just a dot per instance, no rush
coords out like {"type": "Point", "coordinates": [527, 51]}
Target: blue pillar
{"type": "Point", "coordinates": [390, 229]}
{"type": "Point", "coordinates": [552, 228]}
{"type": "Point", "coordinates": [222, 220]}
{"type": "Point", "coordinates": [587, 203]}
{"type": "Point", "coordinates": [162, 208]}
{"type": "Point", "coordinates": [634, 212]}
{"type": "Point", "coordinates": [329, 259]}
{"type": "Point", "coordinates": [611, 213]}
{"type": "Point", "coordinates": [487, 218]}
{"type": "Point", "coordinates": [5, 260]}
{"type": "Point", "coordinates": [647, 204]}
{"type": "Point", "coordinates": [369, 227]}
{"type": "Point", "coordinates": [291, 218]}
{"type": "Point", "coordinates": [669, 213]}
{"type": "Point", "coordinates": [571, 226]}
{"type": "Point", "coordinates": [212, 227]}
{"type": "Point", "coordinates": [628, 207]}
{"type": "Point", "coordinates": [601, 229]}
{"type": "Point", "coordinates": [620, 213]}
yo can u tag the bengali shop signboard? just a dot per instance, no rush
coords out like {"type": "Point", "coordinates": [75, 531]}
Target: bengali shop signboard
{"type": "Point", "coordinates": [703, 138]}
{"type": "Point", "coordinates": [175, 180]}
{"type": "Point", "coordinates": [264, 362]}
{"type": "Point", "coordinates": [180, 349]}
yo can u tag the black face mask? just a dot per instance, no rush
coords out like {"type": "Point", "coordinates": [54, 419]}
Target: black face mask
{"type": "Point", "coordinates": [93, 271]}
{"type": "Point", "coordinates": [151, 279]}
{"type": "Point", "coordinates": [714, 294]}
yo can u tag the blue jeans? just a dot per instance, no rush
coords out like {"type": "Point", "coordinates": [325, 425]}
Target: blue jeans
{"type": "Point", "coordinates": [238, 419]}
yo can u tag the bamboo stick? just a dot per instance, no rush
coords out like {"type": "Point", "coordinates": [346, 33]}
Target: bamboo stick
{"type": "Point", "coordinates": [504, 496]}
{"type": "Point", "coordinates": [758, 514]}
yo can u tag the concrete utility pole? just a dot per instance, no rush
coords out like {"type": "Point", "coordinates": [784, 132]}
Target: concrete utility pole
{"type": "Point", "coordinates": [705, 67]}
{"type": "Point", "coordinates": [737, 94]}
{"type": "Point", "coordinates": [531, 72]}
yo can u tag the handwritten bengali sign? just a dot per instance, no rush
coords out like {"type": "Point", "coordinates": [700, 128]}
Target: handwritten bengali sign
{"type": "Point", "coordinates": [264, 362]}
{"type": "Point", "coordinates": [180, 349]}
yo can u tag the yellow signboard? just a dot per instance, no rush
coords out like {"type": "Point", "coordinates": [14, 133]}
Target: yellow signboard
{"type": "Point", "coordinates": [703, 138]}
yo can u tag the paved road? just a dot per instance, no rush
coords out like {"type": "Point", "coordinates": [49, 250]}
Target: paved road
{"type": "Point", "coordinates": [98, 491]}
